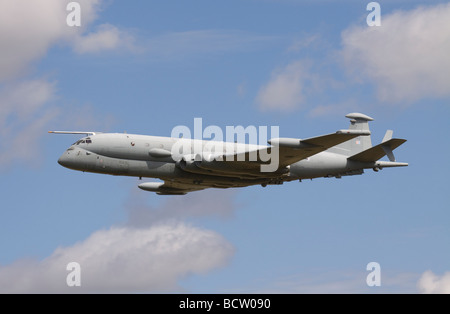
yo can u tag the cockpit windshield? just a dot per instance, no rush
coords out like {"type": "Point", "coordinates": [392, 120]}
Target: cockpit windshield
{"type": "Point", "coordinates": [86, 140]}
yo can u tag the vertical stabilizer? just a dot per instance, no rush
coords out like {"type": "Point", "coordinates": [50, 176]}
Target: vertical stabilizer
{"type": "Point", "coordinates": [360, 122]}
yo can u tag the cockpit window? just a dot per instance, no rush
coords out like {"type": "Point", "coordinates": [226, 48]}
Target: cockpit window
{"type": "Point", "coordinates": [87, 140]}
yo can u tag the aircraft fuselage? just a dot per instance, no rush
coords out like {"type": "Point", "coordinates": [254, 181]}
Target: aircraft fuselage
{"type": "Point", "coordinates": [130, 155]}
{"type": "Point", "coordinates": [188, 165]}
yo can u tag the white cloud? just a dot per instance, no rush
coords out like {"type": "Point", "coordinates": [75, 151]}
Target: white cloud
{"type": "Point", "coordinates": [28, 28]}
{"type": "Point", "coordinates": [24, 98]}
{"type": "Point", "coordinates": [431, 283]}
{"type": "Point", "coordinates": [149, 253]}
{"type": "Point", "coordinates": [407, 57]}
{"type": "Point", "coordinates": [337, 108]}
{"type": "Point", "coordinates": [123, 259]}
{"type": "Point", "coordinates": [285, 90]}
{"type": "Point", "coordinates": [107, 37]}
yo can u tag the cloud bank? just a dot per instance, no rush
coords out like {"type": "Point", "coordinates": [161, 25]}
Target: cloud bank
{"type": "Point", "coordinates": [406, 60]}
{"type": "Point", "coordinates": [123, 259]}
{"type": "Point", "coordinates": [149, 255]}
{"type": "Point", "coordinates": [28, 29]}
{"type": "Point", "coordinates": [407, 57]}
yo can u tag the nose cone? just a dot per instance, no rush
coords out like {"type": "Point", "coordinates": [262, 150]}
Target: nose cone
{"type": "Point", "coordinates": [74, 159]}
{"type": "Point", "coordinates": [63, 160]}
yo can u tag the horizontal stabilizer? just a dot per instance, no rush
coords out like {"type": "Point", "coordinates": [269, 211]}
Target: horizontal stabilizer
{"type": "Point", "coordinates": [377, 152]}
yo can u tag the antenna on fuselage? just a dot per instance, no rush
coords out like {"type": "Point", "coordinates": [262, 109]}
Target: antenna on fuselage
{"type": "Point", "coordinates": [74, 132]}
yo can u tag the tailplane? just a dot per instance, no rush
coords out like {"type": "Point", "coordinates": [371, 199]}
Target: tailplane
{"type": "Point", "coordinates": [360, 149]}
{"type": "Point", "coordinates": [377, 152]}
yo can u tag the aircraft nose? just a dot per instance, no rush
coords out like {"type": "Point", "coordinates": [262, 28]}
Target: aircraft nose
{"type": "Point", "coordinates": [64, 159]}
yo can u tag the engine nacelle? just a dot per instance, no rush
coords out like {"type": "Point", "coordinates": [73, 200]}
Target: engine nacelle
{"type": "Point", "coordinates": [285, 142]}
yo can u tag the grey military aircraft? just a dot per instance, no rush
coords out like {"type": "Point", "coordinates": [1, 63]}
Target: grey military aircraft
{"type": "Point", "coordinates": [185, 165]}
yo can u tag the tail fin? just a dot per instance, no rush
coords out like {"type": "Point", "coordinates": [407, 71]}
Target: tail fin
{"type": "Point", "coordinates": [360, 122]}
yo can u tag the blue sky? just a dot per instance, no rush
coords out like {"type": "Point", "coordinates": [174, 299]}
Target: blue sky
{"type": "Point", "coordinates": [146, 67]}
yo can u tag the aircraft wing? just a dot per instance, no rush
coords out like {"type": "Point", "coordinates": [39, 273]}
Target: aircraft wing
{"type": "Point", "coordinates": [291, 150]}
